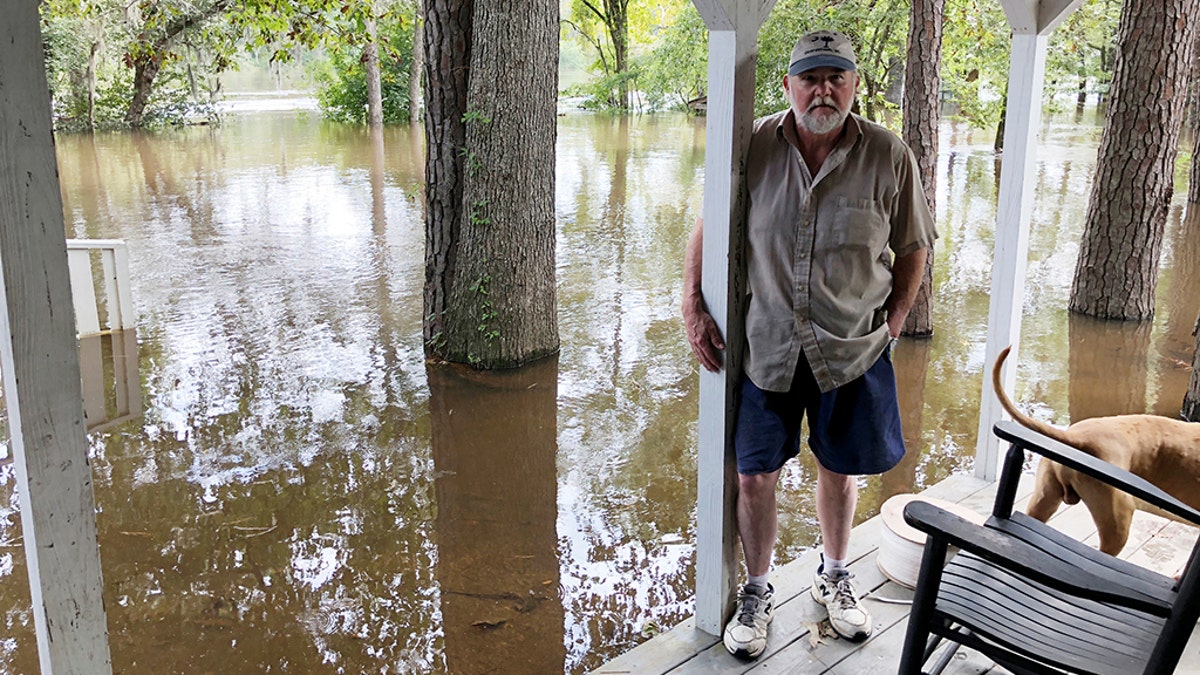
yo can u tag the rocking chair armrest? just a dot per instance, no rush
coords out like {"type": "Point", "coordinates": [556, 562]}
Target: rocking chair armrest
{"type": "Point", "coordinates": [1095, 467]}
{"type": "Point", "coordinates": [1029, 561]}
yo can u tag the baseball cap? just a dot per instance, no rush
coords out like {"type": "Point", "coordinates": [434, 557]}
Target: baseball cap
{"type": "Point", "coordinates": [822, 49]}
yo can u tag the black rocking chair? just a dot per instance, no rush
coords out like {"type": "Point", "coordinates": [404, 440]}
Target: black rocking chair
{"type": "Point", "coordinates": [1037, 601]}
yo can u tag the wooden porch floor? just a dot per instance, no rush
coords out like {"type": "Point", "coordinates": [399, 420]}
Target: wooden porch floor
{"type": "Point", "coordinates": [1155, 542]}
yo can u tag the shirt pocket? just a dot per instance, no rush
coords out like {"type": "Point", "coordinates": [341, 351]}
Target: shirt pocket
{"type": "Point", "coordinates": [856, 225]}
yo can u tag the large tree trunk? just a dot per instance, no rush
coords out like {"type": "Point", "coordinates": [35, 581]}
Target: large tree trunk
{"type": "Point", "coordinates": [145, 70]}
{"type": "Point", "coordinates": [1117, 270]}
{"type": "Point", "coordinates": [448, 39]}
{"type": "Point", "coordinates": [1191, 401]}
{"type": "Point", "coordinates": [371, 66]}
{"type": "Point", "coordinates": [922, 91]}
{"type": "Point", "coordinates": [499, 306]}
{"type": "Point", "coordinates": [1194, 174]}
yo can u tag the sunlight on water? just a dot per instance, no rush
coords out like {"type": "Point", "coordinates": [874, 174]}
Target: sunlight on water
{"type": "Point", "coordinates": [301, 492]}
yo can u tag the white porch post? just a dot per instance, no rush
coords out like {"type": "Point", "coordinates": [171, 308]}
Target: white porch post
{"type": "Point", "coordinates": [1031, 22]}
{"type": "Point", "coordinates": [41, 367]}
{"type": "Point", "coordinates": [732, 49]}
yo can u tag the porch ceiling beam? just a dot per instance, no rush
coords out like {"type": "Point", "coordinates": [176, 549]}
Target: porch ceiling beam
{"type": "Point", "coordinates": [40, 364]}
{"type": "Point", "coordinates": [729, 14]}
{"type": "Point", "coordinates": [1037, 17]}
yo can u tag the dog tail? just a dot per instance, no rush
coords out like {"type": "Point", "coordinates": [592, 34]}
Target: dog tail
{"type": "Point", "coordinates": [1025, 420]}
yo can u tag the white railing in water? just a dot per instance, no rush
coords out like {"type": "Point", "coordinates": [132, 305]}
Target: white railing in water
{"type": "Point", "coordinates": [118, 301]}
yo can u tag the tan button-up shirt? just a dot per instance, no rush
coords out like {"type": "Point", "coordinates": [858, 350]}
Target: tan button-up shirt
{"type": "Point", "coordinates": [818, 249]}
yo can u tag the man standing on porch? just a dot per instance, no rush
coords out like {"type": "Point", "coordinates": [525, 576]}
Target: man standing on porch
{"type": "Point", "coordinates": [829, 193]}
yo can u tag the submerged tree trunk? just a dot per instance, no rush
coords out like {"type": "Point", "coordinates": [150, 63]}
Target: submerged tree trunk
{"type": "Point", "coordinates": [448, 39]}
{"type": "Point", "coordinates": [91, 84]}
{"type": "Point", "coordinates": [145, 70]}
{"type": "Point", "coordinates": [922, 91]}
{"type": "Point", "coordinates": [490, 285]}
{"type": "Point", "coordinates": [618, 27]}
{"type": "Point", "coordinates": [418, 61]}
{"type": "Point", "coordinates": [1116, 273]}
{"type": "Point", "coordinates": [371, 66]}
{"type": "Point", "coordinates": [1194, 175]}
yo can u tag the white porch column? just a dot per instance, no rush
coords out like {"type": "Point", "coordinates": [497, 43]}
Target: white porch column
{"type": "Point", "coordinates": [1031, 22]}
{"type": "Point", "coordinates": [732, 49]}
{"type": "Point", "coordinates": [41, 367]}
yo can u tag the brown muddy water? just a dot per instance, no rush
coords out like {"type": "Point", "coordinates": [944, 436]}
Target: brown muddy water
{"type": "Point", "coordinates": [301, 493]}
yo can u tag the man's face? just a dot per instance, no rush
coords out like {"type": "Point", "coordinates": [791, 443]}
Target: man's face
{"type": "Point", "coordinates": [821, 98]}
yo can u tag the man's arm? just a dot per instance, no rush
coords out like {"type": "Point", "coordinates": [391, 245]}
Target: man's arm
{"type": "Point", "coordinates": [702, 332]}
{"type": "Point", "coordinates": [906, 281]}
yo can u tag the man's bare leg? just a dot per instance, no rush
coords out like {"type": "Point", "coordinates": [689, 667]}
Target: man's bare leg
{"type": "Point", "coordinates": [746, 633]}
{"type": "Point", "coordinates": [837, 496]}
{"type": "Point", "coordinates": [757, 519]}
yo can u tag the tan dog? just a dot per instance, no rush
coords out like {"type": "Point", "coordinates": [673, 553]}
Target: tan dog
{"type": "Point", "coordinates": [1162, 450]}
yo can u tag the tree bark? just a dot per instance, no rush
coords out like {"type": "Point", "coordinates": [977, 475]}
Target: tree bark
{"type": "Point", "coordinates": [922, 113]}
{"type": "Point", "coordinates": [493, 296]}
{"type": "Point", "coordinates": [371, 66]}
{"type": "Point", "coordinates": [1116, 274]}
{"type": "Point", "coordinates": [448, 40]}
{"type": "Point", "coordinates": [1194, 174]}
{"type": "Point", "coordinates": [145, 70]}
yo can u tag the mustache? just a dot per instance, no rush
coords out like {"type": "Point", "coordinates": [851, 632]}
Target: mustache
{"type": "Point", "coordinates": [822, 102]}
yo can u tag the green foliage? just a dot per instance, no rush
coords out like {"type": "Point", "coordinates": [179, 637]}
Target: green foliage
{"type": "Point", "coordinates": [193, 41]}
{"type": "Point", "coordinates": [596, 25]}
{"type": "Point", "coordinates": [342, 84]}
{"type": "Point", "coordinates": [1083, 50]}
{"type": "Point", "coordinates": [975, 50]}
{"type": "Point", "coordinates": [675, 70]}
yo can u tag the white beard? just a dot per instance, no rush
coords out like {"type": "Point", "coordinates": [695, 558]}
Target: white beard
{"type": "Point", "coordinates": [825, 123]}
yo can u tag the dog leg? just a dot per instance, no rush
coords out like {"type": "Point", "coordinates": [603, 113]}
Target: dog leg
{"type": "Point", "coordinates": [1112, 511]}
{"type": "Point", "coordinates": [1048, 493]}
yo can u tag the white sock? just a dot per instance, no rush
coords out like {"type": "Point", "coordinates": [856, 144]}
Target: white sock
{"type": "Point", "coordinates": [760, 581]}
{"type": "Point", "coordinates": [835, 568]}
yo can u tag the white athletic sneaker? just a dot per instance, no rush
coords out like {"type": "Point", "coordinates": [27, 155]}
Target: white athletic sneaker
{"type": "Point", "coordinates": [746, 634]}
{"type": "Point", "coordinates": [846, 614]}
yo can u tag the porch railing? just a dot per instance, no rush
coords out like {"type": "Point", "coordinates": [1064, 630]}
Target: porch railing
{"type": "Point", "coordinates": [114, 281]}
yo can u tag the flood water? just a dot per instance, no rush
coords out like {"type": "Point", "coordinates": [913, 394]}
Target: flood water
{"type": "Point", "coordinates": [294, 490]}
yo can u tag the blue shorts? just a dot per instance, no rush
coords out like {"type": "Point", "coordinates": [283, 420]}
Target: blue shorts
{"type": "Point", "coordinates": [853, 430]}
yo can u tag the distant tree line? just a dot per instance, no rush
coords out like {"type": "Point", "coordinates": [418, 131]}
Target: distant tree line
{"type": "Point", "coordinates": [654, 52]}
{"type": "Point", "coordinates": [112, 63]}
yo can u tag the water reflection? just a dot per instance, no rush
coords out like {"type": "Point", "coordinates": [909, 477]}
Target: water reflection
{"type": "Point", "coordinates": [108, 368]}
{"type": "Point", "coordinates": [495, 442]}
{"type": "Point", "coordinates": [303, 493]}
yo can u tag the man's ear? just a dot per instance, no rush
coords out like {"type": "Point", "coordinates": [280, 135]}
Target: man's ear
{"type": "Point", "coordinates": [786, 83]}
